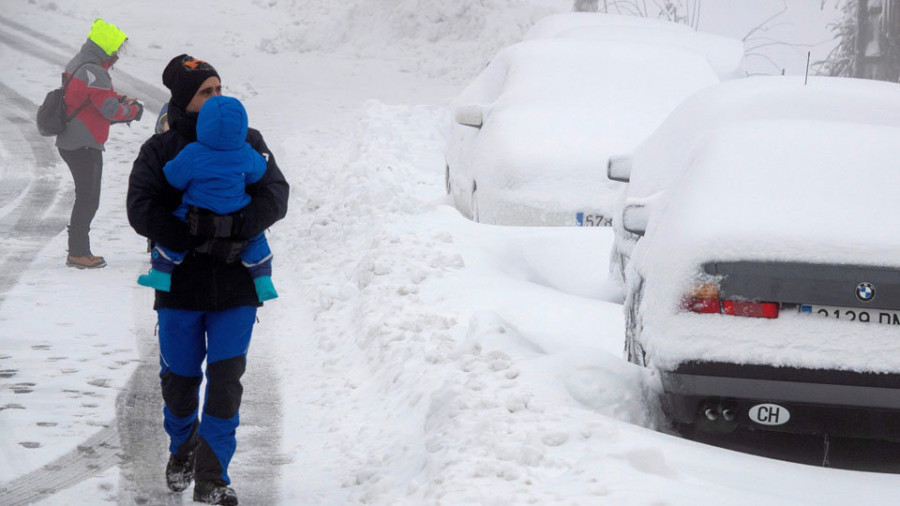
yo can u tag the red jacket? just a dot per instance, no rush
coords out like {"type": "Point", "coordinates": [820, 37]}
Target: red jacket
{"type": "Point", "coordinates": [92, 84]}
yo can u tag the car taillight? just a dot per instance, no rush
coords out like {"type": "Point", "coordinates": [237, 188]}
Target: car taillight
{"type": "Point", "coordinates": [704, 298]}
{"type": "Point", "coordinates": [751, 309]}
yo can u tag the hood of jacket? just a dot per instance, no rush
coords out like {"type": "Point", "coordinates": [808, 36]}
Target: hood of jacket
{"type": "Point", "coordinates": [90, 52]}
{"type": "Point", "coordinates": [222, 124]}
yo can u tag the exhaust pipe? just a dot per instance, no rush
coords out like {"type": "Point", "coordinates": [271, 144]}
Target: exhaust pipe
{"type": "Point", "coordinates": [717, 416]}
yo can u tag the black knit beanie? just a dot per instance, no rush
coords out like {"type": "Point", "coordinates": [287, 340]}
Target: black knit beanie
{"type": "Point", "coordinates": [183, 76]}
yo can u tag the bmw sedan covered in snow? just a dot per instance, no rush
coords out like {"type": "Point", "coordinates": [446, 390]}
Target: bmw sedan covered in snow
{"type": "Point", "coordinates": [531, 136]}
{"type": "Point", "coordinates": [767, 294]}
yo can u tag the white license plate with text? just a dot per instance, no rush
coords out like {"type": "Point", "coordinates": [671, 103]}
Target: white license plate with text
{"type": "Point", "coordinates": [592, 220]}
{"type": "Point", "coordinates": [853, 314]}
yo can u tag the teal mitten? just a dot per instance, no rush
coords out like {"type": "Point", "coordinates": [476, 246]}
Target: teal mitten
{"type": "Point", "coordinates": [161, 281]}
{"type": "Point", "coordinates": [265, 290]}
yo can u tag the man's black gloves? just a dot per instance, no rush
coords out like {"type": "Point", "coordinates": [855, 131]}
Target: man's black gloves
{"type": "Point", "coordinates": [224, 250]}
{"type": "Point", "coordinates": [140, 111]}
{"type": "Point", "coordinates": [204, 223]}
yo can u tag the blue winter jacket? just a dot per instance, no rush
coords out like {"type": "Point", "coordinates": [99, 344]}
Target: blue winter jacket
{"type": "Point", "coordinates": [215, 170]}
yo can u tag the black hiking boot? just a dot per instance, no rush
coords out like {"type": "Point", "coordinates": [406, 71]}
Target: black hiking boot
{"type": "Point", "coordinates": [210, 492]}
{"type": "Point", "coordinates": [180, 472]}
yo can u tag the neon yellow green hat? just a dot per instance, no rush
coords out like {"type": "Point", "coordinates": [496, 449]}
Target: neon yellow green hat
{"type": "Point", "coordinates": [107, 36]}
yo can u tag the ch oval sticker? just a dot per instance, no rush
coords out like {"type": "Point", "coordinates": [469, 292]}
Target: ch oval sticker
{"type": "Point", "coordinates": [769, 414]}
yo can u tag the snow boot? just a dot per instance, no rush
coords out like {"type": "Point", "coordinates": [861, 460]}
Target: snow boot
{"type": "Point", "coordinates": [159, 280]}
{"type": "Point", "coordinates": [86, 262]}
{"type": "Point", "coordinates": [265, 290]}
{"type": "Point", "coordinates": [179, 472]}
{"type": "Point", "coordinates": [210, 492]}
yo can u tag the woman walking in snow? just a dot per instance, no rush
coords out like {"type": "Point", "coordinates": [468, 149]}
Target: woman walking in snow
{"type": "Point", "coordinates": [95, 104]}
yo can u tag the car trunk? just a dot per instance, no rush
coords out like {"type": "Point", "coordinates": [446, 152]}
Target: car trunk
{"type": "Point", "coordinates": [805, 283]}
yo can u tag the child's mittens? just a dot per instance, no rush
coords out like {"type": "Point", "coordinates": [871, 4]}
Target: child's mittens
{"type": "Point", "coordinates": [159, 280]}
{"type": "Point", "coordinates": [265, 290]}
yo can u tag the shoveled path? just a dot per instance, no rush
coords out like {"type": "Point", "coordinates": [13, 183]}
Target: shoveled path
{"type": "Point", "coordinates": [33, 210]}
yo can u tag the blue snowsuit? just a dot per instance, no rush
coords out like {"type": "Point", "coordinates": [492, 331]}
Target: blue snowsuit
{"type": "Point", "coordinates": [214, 172]}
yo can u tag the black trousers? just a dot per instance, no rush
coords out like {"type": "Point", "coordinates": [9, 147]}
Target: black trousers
{"type": "Point", "coordinates": [86, 166]}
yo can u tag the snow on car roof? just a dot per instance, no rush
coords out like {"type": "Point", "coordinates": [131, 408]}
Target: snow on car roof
{"type": "Point", "coordinates": [554, 24]}
{"type": "Point", "coordinates": [663, 156]}
{"type": "Point", "coordinates": [814, 191]}
{"type": "Point", "coordinates": [724, 54]}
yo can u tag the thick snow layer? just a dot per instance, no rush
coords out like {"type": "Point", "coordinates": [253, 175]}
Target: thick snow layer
{"type": "Point", "coordinates": [809, 191]}
{"type": "Point", "coordinates": [661, 160]}
{"type": "Point", "coordinates": [663, 157]}
{"type": "Point", "coordinates": [724, 54]}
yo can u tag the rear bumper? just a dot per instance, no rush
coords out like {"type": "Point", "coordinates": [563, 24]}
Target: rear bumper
{"type": "Point", "coordinates": [803, 401]}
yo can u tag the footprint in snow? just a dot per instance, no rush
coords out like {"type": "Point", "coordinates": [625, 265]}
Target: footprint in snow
{"type": "Point", "coordinates": [22, 388]}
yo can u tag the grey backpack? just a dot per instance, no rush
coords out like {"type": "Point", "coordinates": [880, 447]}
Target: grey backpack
{"type": "Point", "coordinates": [51, 115]}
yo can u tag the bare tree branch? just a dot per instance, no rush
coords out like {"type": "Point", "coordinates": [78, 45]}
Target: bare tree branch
{"type": "Point", "coordinates": [767, 58]}
{"type": "Point", "coordinates": [765, 23]}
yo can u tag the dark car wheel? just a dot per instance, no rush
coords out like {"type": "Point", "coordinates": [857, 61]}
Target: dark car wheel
{"type": "Point", "coordinates": [634, 352]}
{"type": "Point", "coordinates": [447, 180]}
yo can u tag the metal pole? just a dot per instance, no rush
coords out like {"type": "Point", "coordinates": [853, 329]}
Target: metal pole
{"type": "Point", "coordinates": [806, 79]}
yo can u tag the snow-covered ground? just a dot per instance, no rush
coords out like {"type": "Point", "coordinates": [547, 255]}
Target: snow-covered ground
{"type": "Point", "coordinates": [415, 357]}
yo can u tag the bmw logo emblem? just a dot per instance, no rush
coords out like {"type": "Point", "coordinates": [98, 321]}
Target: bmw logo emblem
{"type": "Point", "coordinates": [865, 292]}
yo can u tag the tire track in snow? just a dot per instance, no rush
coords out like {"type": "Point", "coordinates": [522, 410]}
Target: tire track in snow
{"type": "Point", "coordinates": [151, 95]}
{"type": "Point", "coordinates": [34, 34]}
{"type": "Point", "coordinates": [39, 210]}
{"type": "Point", "coordinates": [95, 455]}
{"type": "Point", "coordinates": [37, 213]}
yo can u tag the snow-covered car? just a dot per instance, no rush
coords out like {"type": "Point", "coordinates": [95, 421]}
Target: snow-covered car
{"type": "Point", "coordinates": [532, 134]}
{"type": "Point", "coordinates": [767, 295]}
{"type": "Point", "coordinates": [657, 164]}
{"type": "Point", "coordinates": [724, 54]}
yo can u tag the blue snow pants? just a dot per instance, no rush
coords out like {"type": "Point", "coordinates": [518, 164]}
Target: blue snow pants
{"type": "Point", "coordinates": [186, 338]}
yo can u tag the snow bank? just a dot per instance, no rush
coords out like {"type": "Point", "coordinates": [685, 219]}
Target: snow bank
{"type": "Point", "coordinates": [433, 37]}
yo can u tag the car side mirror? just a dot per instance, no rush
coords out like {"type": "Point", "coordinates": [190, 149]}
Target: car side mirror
{"type": "Point", "coordinates": [635, 218]}
{"type": "Point", "coordinates": [469, 115]}
{"type": "Point", "coordinates": [619, 168]}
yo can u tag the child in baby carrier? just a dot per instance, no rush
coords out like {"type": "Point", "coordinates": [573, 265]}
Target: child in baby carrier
{"type": "Point", "coordinates": [213, 172]}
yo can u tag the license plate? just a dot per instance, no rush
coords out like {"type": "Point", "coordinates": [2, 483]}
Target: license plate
{"type": "Point", "coordinates": [592, 220]}
{"type": "Point", "coordinates": [883, 316]}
